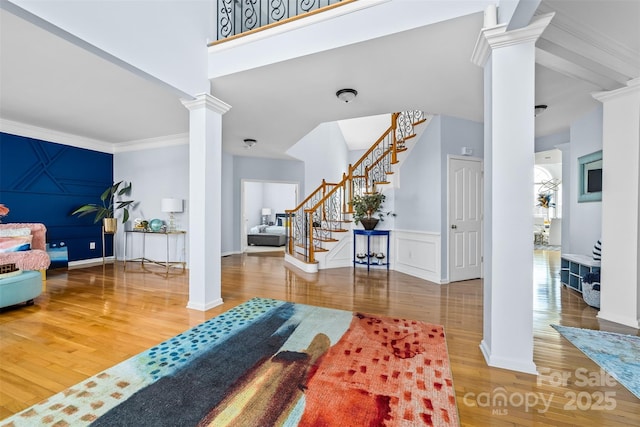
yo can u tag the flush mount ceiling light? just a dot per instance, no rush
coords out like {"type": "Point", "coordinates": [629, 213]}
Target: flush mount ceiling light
{"type": "Point", "coordinates": [539, 109]}
{"type": "Point", "coordinates": [346, 95]}
{"type": "Point", "coordinates": [248, 143]}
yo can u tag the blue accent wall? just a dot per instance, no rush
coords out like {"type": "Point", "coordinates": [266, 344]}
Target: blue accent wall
{"type": "Point", "coordinates": [44, 182]}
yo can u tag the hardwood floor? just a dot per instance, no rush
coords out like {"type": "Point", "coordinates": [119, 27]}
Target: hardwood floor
{"type": "Point", "coordinates": [90, 319]}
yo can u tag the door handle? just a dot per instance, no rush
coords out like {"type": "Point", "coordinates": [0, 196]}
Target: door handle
{"type": "Point", "coordinates": [453, 226]}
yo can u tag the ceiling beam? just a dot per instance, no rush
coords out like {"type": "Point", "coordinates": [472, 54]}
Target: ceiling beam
{"type": "Point", "coordinates": [570, 69]}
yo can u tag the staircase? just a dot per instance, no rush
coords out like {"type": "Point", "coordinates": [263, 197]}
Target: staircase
{"type": "Point", "coordinates": [317, 227]}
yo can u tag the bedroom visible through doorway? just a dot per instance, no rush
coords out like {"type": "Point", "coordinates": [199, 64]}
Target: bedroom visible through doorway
{"type": "Point", "coordinates": [263, 206]}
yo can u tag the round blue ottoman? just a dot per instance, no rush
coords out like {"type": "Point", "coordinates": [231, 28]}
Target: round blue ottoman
{"type": "Point", "coordinates": [23, 287]}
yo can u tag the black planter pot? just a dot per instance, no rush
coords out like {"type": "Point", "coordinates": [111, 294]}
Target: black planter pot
{"type": "Point", "coordinates": [369, 223]}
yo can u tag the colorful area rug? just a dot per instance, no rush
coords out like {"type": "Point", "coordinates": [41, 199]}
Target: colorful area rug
{"type": "Point", "coordinates": [617, 354]}
{"type": "Point", "coordinates": [266, 363]}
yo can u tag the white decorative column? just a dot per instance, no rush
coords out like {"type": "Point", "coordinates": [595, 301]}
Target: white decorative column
{"type": "Point", "coordinates": [205, 195]}
{"type": "Point", "coordinates": [508, 59]}
{"type": "Point", "coordinates": [620, 275]}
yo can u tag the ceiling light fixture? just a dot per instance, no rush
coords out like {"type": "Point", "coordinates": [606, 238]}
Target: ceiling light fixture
{"type": "Point", "coordinates": [539, 109]}
{"type": "Point", "coordinates": [346, 95]}
{"type": "Point", "coordinates": [249, 142]}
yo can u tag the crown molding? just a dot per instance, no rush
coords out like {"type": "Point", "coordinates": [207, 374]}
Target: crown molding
{"type": "Point", "coordinates": [586, 41]}
{"type": "Point", "coordinates": [498, 37]}
{"type": "Point", "coordinates": [152, 143]}
{"type": "Point", "coordinates": [57, 137]}
{"type": "Point", "coordinates": [633, 86]}
{"type": "Point", "coordinates": [482, 49]}
{"type": "Point", "coordinates": [205, 100]}
{"type": "Point", "coordinates": [44, 134]}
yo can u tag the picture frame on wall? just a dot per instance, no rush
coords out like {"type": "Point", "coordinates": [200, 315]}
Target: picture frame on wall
{"type": "Point", "coordinates": [590, 177]}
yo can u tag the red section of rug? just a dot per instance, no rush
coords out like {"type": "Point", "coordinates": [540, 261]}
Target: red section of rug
{"type": "Point", "coordinates": [383, 372]}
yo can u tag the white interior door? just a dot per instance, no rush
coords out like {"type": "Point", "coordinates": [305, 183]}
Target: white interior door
{"type": "Point", "coordinates": [465, 218]}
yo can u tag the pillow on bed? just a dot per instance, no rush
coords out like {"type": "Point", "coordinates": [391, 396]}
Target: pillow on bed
{"type": "Point", "coordinates": [283, 221]}
{"type": "Point", "coordinates": [15, 244]}
{"type": "Point", "coordinates": [12, 232]}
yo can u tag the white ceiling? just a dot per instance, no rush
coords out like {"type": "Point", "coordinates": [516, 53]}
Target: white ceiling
{"type": "Point", "coordinates": [46, 81]}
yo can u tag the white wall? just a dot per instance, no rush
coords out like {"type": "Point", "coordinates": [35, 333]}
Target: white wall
{"type": "Point", "coordinates": [324, 153]}
{"type": "Point", "coordinates": [253, 202]}
{"type": "Point", "coordinates": [417, 200]}
{"type": "Point", "coordinates": [166, 39]}
{"type": "Point", "coordinates": [278, 197]}
{"type": "Point", "coordinates": [549, 142]}
{"type": "Point", "coordinates": [155, 174]}
{"type": "Point", "coordinates": [228, 211]}
{"type": "Point", "coordinates": [585, 218]}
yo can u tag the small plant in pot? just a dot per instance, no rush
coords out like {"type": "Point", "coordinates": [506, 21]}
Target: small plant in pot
{"type": "Point", "coordinates": [366, 207]}
{"type": "Point", "coordinates": [106, 210]}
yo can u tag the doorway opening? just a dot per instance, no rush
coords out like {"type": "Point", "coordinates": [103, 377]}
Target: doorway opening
{"type": "Point", "coordinates": [263, 206]}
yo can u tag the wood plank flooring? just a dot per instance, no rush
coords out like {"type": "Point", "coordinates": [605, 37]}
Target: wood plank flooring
{"type": "Point", "coordinates": [92, 318]}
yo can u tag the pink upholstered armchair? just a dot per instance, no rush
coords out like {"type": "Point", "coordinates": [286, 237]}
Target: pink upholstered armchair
{"type": "Point", "coordinates": [34, 259]}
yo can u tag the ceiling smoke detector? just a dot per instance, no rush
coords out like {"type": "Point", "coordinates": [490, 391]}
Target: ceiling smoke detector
{"type": "Point", "coordinates": [249, 142]}
{"type": "Point", "coordinates": [346, 95]}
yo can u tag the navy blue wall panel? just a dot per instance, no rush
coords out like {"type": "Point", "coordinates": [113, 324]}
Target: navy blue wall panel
{"type": "Point", "coordinates": [44, 182]}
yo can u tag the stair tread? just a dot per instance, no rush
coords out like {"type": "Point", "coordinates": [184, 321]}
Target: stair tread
{"type": "Point", "coordinates": [314, 249]}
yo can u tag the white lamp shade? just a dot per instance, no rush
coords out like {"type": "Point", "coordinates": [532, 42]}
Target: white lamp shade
{"type": "Point", "coordinates": [266, 211]}
{"type": "Point", "coordinates": [171, 205]}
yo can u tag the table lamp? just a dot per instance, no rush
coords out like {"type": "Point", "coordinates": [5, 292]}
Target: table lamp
{"type": "Point", "coordinates": [171, 206]}
{"type": "Point", "coordinates": [266, 214]}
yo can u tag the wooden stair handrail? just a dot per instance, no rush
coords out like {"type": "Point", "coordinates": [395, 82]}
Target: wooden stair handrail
{"type": "Point", "coordinates": [346, 184]}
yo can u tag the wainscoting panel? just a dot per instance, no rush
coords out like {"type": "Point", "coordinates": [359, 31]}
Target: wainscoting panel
{"type": "Point", "coordinates": [417, 253]}
{"type": "Point", "coordinates": [341, 255]}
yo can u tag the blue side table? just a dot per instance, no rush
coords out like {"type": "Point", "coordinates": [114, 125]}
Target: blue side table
{"type": "Point", "coordinates": [367, 260]}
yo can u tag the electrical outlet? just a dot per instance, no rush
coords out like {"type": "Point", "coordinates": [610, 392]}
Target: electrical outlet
{"type": "Point", "coordinates": [92, 245]}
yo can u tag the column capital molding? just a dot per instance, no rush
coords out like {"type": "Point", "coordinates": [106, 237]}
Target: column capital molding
{"type": "Point", "coordinates": [498, 37]}
{"type": "Point", "coordinates": [204, 100]}
{"type": "Point", "coordinates": [632, 86]}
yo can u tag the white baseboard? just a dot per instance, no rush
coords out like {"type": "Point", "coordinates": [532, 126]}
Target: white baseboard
{"type": "Point", "coordinates": [90, 262]}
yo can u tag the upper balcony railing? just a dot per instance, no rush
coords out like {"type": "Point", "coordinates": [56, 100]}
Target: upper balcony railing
{"type": "Point", "coordinates": [242, 16]}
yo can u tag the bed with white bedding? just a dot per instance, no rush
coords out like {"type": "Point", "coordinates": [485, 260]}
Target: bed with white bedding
{"type": "Point", "coordinates": [271, 229]}
{"type": "Point", "coordinates": [269, 235]}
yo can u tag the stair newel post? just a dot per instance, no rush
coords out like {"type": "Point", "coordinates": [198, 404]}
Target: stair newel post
{"type": "Point", "coordinates": [394, 149]}
{"type": "Point", "coordinates": [350, 198]}
{"type": "Point", "coordinates": [290, 225]}
{"type": "Point", "coordinates": [344, 193]}
{"type": "Point", "coordinates": [310, 228]}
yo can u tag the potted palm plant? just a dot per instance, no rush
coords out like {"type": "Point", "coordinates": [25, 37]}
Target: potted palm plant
{"type": "Point", "coordinates": [106, 210]}
{"type": "Point", "coordinates": [366, 206]}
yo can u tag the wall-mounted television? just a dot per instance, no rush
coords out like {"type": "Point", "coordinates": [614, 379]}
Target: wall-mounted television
{"type": "Point", "coordinates": [594, 180]}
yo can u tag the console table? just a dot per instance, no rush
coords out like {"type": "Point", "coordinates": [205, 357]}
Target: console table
{"type": "Point", "coordinates": [574, 267]}
{"type": "Point", "coordinates": [169, 236]}
{"type": "Point", "coordinates": [370, 258]}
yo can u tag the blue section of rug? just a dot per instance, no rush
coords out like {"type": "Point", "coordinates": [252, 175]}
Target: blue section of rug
{"type": "Point", "coordinates": [166, 398]}
{"type": "Point", "coordinates": [617, 354]}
